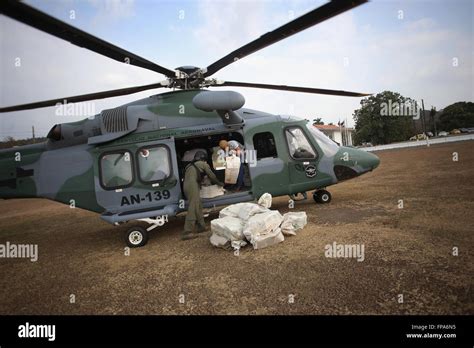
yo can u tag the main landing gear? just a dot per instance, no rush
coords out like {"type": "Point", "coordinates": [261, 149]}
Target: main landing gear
{"type": "Point", "coordinates": [137, 236]}
{"type": "Point", "coordinates": [322, 196]}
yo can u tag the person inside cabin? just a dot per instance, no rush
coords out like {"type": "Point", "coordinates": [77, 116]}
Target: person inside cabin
{"type": "Point", "coordinates": [193, 175]}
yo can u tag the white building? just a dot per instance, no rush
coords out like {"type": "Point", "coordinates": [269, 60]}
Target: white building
{"type": "Point", "coordinates": [341, 135]}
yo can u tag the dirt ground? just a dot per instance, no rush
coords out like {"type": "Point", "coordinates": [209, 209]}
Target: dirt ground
{"type": "Point", "coordinates": [408, 252]}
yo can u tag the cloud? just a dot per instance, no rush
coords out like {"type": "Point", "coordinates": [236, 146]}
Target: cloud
{"type": "Point", "coordinates": [115, 9]}
{"type": "Point", "coordinates": [52, 68]}
{"type": "Point", "coordinates": [414, 57]}
{"type": "Point", "coordinates": [317, 57]}
{"type": "Point", "coordinates": [420, 24]}
{"type": "Point", "coordinates": [226, 26]}
{"type": "Point", "coordinates": [356, 51]}
{"type": "Point", "coordinates": [424, 60]}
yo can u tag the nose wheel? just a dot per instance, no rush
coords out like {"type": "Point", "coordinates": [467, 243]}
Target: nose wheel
{"type": "Point", "coordinates": [322, 196]}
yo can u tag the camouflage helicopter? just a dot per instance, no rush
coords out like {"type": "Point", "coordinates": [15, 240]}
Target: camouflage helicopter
{"type": "Point", "coordinates": [127, 163]}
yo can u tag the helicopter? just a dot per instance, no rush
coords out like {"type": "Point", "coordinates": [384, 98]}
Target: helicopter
{"type": "Point", "coordinates": [126, 163]}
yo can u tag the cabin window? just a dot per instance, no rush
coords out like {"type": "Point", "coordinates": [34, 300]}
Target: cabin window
{"type": "Point", "coordinates": [154, 163]}
{"type": "Point", "coordinates": [298, 144]}
{"type": "Point", "coordinates": [264, 144]}
{"type": "Point", "coordinates": [116, 169]}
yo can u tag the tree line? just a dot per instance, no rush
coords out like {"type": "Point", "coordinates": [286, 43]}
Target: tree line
{"type": "Point", "coordinates": [390, 117]}
{"type": "Point", "coordinates": [12, 142]}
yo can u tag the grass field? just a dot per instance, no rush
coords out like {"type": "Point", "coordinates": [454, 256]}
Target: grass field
{"type": "Point", "coordinates": [408, 252]}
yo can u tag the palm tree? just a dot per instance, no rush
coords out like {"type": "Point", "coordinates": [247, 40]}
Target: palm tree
{"type": "Point", "coordinates": [317, 121]}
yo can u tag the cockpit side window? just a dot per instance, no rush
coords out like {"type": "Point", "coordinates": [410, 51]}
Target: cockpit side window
{"type": "Point", "coordinates": [327, 145]}
{"type": "Point", "coordinates": [298, 144]}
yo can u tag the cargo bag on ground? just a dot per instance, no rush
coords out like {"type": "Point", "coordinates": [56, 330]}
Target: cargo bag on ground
{"type": "Point", "coordinates": [262, 223]}
{"type": "Point", "coordinates": [228, 227]}
{"type": "Point", "coordinates": [293, 222]}
{"type": "Point", "coordinates": [265, 240]}
{"type": "Point", "coordinates": [255, 223]}
{"type": "Point", "coordinates": [265, 200]}
{"type": "Point", "coordinates": [242, 210]}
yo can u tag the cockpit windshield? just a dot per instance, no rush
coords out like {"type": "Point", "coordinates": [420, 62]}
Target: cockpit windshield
{"type": "Point", "coordinates": [329, 146]}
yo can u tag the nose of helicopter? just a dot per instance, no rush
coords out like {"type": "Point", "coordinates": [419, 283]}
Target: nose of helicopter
{"type": "Point", "coordinates": [350, 162]}
{"type": "Point", "coordinates": [371, 161]}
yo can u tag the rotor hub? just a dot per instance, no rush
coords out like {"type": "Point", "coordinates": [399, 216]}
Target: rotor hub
{"type": "Point", "coordinates": [188, 70]}
{"type": "Point", "coordinates": [188, 77]}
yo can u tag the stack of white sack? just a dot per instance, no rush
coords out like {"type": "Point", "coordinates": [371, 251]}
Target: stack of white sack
{"type": "Point", "coordinates": [255, 223]}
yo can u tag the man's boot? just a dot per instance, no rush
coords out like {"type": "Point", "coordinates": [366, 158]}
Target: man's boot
{"type": "Point", "coordinates": [189, 235]}
{"type": "Point", "coordinates": [202, 229]}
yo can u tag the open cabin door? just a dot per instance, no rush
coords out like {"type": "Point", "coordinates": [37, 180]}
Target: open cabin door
{"type": "Point", "coordinates": [137, 178]}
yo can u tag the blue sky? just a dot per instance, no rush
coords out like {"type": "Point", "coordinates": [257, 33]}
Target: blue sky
{"type": "Point", "coordinates": [405, 46]}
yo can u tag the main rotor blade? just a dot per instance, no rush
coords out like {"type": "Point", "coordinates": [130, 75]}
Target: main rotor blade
{"type": "Point", "coordinates": [306, 21]}
{"type": "Point", "coordinates": [290, 88]}
{"type": "Point", "coordinates": [40, 20]}
{"type": "Point", "coordinates": [85, 97]}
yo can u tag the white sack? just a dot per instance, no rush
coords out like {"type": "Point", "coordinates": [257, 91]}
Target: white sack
{"type": "Point", "coordinates": [228, 227]}
{"type": "Point", "coordinates": [261, 224]}
{"type": "Point", "coordinates": [211, 191]}
{"type": "Point", "coordinates": [218, 158]}
{"type": "Point", "coordinates": [242, 210]}
{"type": "Point", "coordinates": [237, 244]}
{"type": "Point", "coordinates": [266, 240]}
{"type": "Point", "coordinates": [219, 241]}
{"type": "Point", "coordinates": [293, 222]}
{"type": "Point", "coordinates": [265, 200]}
{"type": "Point", "coordinates": [232, 169]}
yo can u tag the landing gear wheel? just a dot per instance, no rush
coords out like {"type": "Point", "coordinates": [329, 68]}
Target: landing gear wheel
{"type": "Point", "coordinates": [136, 237]}
{"type": "Point", "coordinates": [322, 196]}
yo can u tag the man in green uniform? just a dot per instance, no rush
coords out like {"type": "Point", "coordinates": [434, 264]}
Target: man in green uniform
{"type": "Point", "coordinates": [194, 173]}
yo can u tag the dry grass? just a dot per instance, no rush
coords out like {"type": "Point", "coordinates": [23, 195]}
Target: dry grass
{"type": "Point", "coordinates": [407, 251]}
